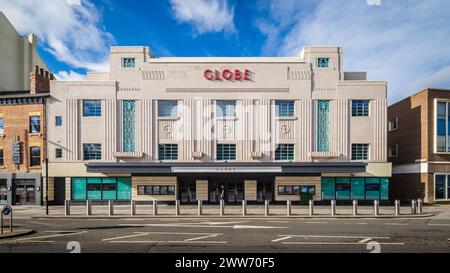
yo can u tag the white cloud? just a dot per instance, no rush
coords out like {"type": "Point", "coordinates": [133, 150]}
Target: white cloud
{"type": "Point", "coordinates": [72, 33]}
{"type": "Point", "coordinates": [69, 76]}
{"type": "Point", "coordinates": [403, 42]}
{"type": "Point", "coordinates": [205, 15]}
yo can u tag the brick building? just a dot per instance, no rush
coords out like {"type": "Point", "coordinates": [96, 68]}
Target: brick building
{"type": "Point", "coordinates": [419, 146]}
{"type": "Point", "coordinates": [22, 141]}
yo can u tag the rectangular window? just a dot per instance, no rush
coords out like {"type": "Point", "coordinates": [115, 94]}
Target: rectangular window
{"type": "Point", "coordinates": [440, 184]}
{"type": "Point", "coordinates": [360, 108]}
{"type": "Point", "coordinates": [343, 188]}
{"type": "Point", "coordinates": [360, 151]}
{"type": "Point", "coordinates": [358, 188]}
{"type": "Point", "coordinates": [107, 188]}
{"type": "Point", "coordinates": [128, 62]}
{"type": "Point", "coordinates": [323, 126]}
{"type": "Point", "coordinates": [35, 124]}
{"type": "Point", "coordinates": [393, 151]}
{"type": "Point", "coordinates": [226, 151]}
{"type": "Point", "coordinates": [285, 152]}
{"type": "Point", "coordinates": [2, 161]}
{"type": "Point", "coordinates": [372, 189]}
{"type": "Point", "coordinates": [167, 108]}
{"type": "Point", "coordinates": [2, 126]}
{"type": "Point", "coordinates": [92, 151]}
{"type": "Point", "coordinates": [58, 121]}
{"type": "Point", "coordinates": [168, 151]}
{"type": "Point", "coordinates": [58, 153]}
{"type": "Point", "coordinates": [323, 62]}
{"type": "Point", "coordinates": [156, 190]}
{"type": "Point", "coordinates": [94, 188]}
{"type": "Point", "coordinates": [92, 108]}
{"type": "Point", "coordinates": [128, 125]}
{"type": "Point", "coordinates": [35, 156]}
{"type": "Point", "coordinates": [392, 124]}
{"type": "Point", "coordinates": [284, 108]}
{"type": "Point", "coordinates": [226, 108]}
{"type": "Point", "coordinates": [355, 188]}
{"type": "Point", "coordinates": [443, 128]}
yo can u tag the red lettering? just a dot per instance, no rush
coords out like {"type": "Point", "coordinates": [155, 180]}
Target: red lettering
{"type": "Point", "coordinates": [246, 75]}
{"type": "Point", "coordinates": [227, 74]}
{"type": "Point", "coordinates": [208, 74]}
{"type": "Point", "coordinates": [217, 75]}
{"type": "Point", "coordinates": [237, 75]}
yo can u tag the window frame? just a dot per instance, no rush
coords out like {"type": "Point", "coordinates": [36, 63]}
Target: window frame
{"type": "Point", "coordinates": [164, 114]}
{"type": "Point", "coordinates": [32, 157]}
{"type": "Point", "coordinates": [2, 157]}
{"type": "Point", "coordinates": [58, 121]}
{"type": "Point", "coordinates": [367, 153]}
{"type": "Point", "coordinates": [224, 111]}
{"type": "Point", "coordinates": [2, 125]}
{"type": "Point", "coordinates": [165, 151]}
{"type": "Point", "coordinates": [289, 106]}
{"type": "Point", "coordinates": [328, 62]}
{"type": "Point", "coordinates": [58, 153]}
{"type": "Point", "coordinates": [232, 151]}
{"type": "Point", "coordinates": [31, 125]}
{"type": "Point", "coordinates": [95, 112]}
{"type": "Point", "coordinates": [90, 159]}
{"type": "Point", "coordinates": [286, 151]}
{"type": "Point", "coordinates": [390, 155]}
{"type": "Point", "coordinates": [394, 121]}
{"type": "Point", "coordinates": [361, 111]}
{"type": "Point", "coordinates": [122, 62]}
{"type": "Point", "coordinates": [446, 187]}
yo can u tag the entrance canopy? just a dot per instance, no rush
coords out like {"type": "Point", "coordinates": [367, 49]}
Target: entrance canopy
{"type": "Point", "coordinates": [162, 168]}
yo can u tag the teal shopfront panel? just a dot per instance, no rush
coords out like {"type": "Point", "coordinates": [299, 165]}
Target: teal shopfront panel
{"type": "Point", "coordinates": [372, 188]}
{"type": "Point", "coordinates": [78, 188]}
{"type": "Point", "coordinates": [384, 188]}
{"type": "Point", "coordinates": [109, 186]}
{"type": "Point", "coordinates": [94, 188]}
{"type": "Point", "coordinates": [358, 188]}
{"type": "Point", "coordinates": [124, 188]}
{"type": "Point", "coordinates": [328, 188]}
{"type": "Point", "coordinates": [343, 188]}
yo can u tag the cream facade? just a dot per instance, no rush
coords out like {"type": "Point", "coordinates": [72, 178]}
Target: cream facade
{"type": "Point", "coordinates": [258, 129]}
{"type": "Point", "coordinates": [18, 58]}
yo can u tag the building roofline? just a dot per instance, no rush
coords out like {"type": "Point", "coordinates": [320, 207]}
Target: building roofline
{"type": "Point", "coordinates": [418, 93]}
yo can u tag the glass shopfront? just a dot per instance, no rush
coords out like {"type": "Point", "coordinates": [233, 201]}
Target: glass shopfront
{"type": "Point", "coordinates": [3, 192]}
{"type": "Point", "coordinates": [355, 188]}
{"type": "Point", "coordinates": [106, 188]}
{"type": "Point", "coordinates": [442, 186]}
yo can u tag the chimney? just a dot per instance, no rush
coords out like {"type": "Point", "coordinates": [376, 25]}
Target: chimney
{"type": "Point", "coordinates": [39, 83]}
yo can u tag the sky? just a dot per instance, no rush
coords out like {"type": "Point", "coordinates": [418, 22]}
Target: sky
{"type": "Point", "coordinates": [405, 42]}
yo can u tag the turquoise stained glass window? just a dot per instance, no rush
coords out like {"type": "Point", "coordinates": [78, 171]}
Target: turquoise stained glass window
{"type": "Point", "coordinates": [323, 126]}
{"type": "Point", "coordinates": [323, 62]}
{"type": "Point", "coordinates": [129, 125]}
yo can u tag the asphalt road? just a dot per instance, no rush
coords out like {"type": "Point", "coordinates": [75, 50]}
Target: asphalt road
{"type": "Point", "coordinates": [204, 235]}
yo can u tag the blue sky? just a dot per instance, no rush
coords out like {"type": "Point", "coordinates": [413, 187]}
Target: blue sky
{"type": "Point", "coordinates": [402, 41]}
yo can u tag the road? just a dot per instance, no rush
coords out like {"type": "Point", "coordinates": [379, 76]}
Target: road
{"type": "Point", "coordinates": [143, 235]}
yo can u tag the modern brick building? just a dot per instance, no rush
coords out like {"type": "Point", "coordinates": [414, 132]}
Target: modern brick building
{"type": "Point", "coordinates": [419, 146]}
{"type": "Point", "coordinates": [276, 129]}
{"type": "Point", "coordinates": [22, 142]}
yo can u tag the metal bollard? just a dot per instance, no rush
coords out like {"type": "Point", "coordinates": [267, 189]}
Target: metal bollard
{"type": "Point", "coordinates": [413, 207]}
{"type": "Point", "coordinates": [244, 207]}
{"type": "Point", "coordinates": [177, 207]}
{"type": "Point", "coordinates": [288, 208]}
{"type": "Point", "coordinates": [199, 207]}
{"type": "Point", "coordinates": [67, 207]}
{"type": "Point", "coordinates": [133, 207]}
{"type": "Point", "coordinates": [110, 207]}
{"type": "Point", "coordinates": [376, 207]}
{"type": "Point", "coordinates": [419, 206]}
{"type": "Point", "coordinates": [397, 207]}
{"type": "Point", "coordinates": [155, 207]}
{"type": "Point", "coordinates": [311, 207]}
{"type": "Point", "coordinates": [88, 207]}
{"type": "Point", "coordinates": [333, 207]}
{"type": "Point", "coordinates": [222, 207]}
{"type": "Point", "coordinates": [1, 222]}
{"type": "Point", "coordinates": [266, 208]}
{"type": "Point", "coordinates": [355, 207]}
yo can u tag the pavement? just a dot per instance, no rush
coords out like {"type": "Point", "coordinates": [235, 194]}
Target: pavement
{"type": "Point", "coordinates": [142, 234]}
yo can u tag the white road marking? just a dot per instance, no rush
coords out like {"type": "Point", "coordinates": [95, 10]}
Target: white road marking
{"type": "Point", "coordinates": [201, 237]}
{"type": "Point", "coordinates": [395, 224]}
{"type": "Point", "coordinates": [279, 222]}
{"type": "Point", "coordinates": [169, 242]}
{"type": "Point", "coordinates": [316, 222]}
{"type": "Point", "coordinates": [50, 236]}
{"type": "Point", "coordinates": [334, 243]}
{"type": "Point", "coordinates": [439, 225]}
{"type": "Point", "coordinates": [363, 241]}
{"type": "Point", "coordinates": [201, 226]}
{"type": "Point", "coordinates": [128, 236]}
{"type": "Point", "coordinates": [362, 223]}
{"type": "Point", "coordinates": [282, 239]}
{"type": "Point", "coordinates": [337, 236]}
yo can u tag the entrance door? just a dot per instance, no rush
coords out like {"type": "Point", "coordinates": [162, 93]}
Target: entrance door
{"type": "Point", "coordinates": [60, 190]}
{"type": "Point", "coordinates": [231, 192]}
{"type": "Point", "coordinates": [24, 192]}
{"type": "Point", "coordinates": [264, 191]}
{"type": "Point", "coordinates": [3, 192]}
{"type": "Point", "coordinates": [188, 192]}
